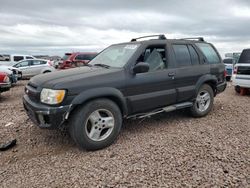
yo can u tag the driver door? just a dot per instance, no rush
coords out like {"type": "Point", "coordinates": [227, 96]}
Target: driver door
{"type": "Point", "coordinates": [155, 88]}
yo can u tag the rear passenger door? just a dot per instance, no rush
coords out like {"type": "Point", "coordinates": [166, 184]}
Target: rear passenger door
{"type": "Point", "coordinates": [189, 68]}
{"type": "Point", "coordinates": [37, 66]}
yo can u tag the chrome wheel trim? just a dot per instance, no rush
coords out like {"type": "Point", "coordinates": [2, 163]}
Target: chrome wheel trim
{"type": "Point", "coordinates": [99, 125]}
{"type": "Point", "coordinates": [203, 100]}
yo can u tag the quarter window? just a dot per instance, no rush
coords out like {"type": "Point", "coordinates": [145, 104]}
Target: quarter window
{"type": "Point", "coordinates": [209, 53]}
{"type": "Point", "coordinates": [182, 55]}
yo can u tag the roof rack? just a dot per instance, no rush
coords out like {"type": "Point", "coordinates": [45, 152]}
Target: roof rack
{"type": "Point", "coordinates": [161, 37]}
{"type": "Point", "coordinates": [194, 38]}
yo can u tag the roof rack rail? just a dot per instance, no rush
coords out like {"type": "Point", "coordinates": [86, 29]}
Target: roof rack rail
{"type": "Point", "coordinates": [194, 38]}
{"type": "Point", "coordinates": [161, 37]}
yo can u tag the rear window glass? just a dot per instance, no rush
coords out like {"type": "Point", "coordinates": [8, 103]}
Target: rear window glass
{"type": "Point", "coordinates": [209, 53]}
{"type": "Point", "coordinates": [245, 56]}
{"type": "Point", "coordinates": [228, 61]}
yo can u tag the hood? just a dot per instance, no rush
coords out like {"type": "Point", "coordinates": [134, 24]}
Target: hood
{"type": "Point", "coordinates": [65, 78]}
{"type": "Point", "coordinates": [7, 69]}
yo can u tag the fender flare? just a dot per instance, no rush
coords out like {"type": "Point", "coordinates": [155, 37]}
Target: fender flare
{"type": "Point", "coordinates": [204, 79]}
{"type": "Point", "coordinates": [104, 92]}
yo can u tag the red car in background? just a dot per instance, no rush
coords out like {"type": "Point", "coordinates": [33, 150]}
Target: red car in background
{"type": "Point", "coordinates": [5, 83]}
{"type": "Point", "coordinates": [76, 59]}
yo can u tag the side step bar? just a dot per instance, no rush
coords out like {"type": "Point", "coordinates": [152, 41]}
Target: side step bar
{"type": "Point", "coordinates": [165, 109]}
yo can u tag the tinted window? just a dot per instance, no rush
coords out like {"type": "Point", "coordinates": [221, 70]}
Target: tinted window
{"type": "Point", "coordinates": [245, 57]}
{"type": "Point", "coordinates": [182, 55]}
{"type": "Point", "coordinates": [194, 56]}
{"type": "Point", "coordinates": [18, 58]}
{"type": "Point", "coordinates": [29, 57]}
{"type": "Point", "coordinates": [34, 62]}
{"type": "Point", "coordinates": [209, 53]}
{"type": "Point", "coordinates": [228, 61]}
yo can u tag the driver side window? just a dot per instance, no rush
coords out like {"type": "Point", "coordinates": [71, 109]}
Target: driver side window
{"type": "Point", "coordinates": [155, 56]}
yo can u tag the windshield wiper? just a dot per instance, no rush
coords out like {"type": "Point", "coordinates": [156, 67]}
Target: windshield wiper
{"type": "Point", "coordinates": [102, 65]}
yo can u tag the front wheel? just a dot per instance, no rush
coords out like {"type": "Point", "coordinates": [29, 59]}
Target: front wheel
{"type": "Point", "coordinates": [204, 101]}
{"type": "Point", "coordinates": [96, 125]}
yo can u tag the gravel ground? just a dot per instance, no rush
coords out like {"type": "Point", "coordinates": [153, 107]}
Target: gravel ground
{"type": "Point", "coordinates": [167, 150]}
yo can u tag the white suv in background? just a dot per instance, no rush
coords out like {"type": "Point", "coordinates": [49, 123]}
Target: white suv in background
{"type": "Point", "coordinates": [241, 73]}
{"type": "Point", "coordinates": [10, 60]}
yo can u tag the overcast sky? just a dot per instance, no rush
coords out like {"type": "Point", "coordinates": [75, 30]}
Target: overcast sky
{"type": "Point", "coordinates": [54, 27]}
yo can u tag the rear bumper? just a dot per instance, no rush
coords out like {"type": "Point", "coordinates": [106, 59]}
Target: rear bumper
{"type": "Point", "coordinates": [221, 87]}
{"type": "Point", "coordinates": [242, 81]}
{"type": "Point", "coordinates": [45, 116]}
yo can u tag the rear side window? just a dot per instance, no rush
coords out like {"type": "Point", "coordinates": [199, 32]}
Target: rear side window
{"type": "Point", "coordinates": [29, 57]}
{"type": "Point", "coordinates": [182, 55]}
{"type": "Point", "coordinates": [194, 56]}
{"type": "Point", "coordinates": [209, 53]}
{"type": "Point", "coordinates": [38, 62]}
{"type": "Point", "coordinates": [18, 58]}
{"type": "Point", "coordinates": [245, 56]}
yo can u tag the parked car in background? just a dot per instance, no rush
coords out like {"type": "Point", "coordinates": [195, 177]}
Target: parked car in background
{"type": "Point", "coordinates": [13, 73]}
{"type": "Point", "coordinates": [229, 63]}
{"type": "Point", "coordinates": [76, 59]}
{"type": "Point", "coordinates": [241, 73]}
{"type": "Point", "coordinates": [34, 67]}
{"type": "Point", "coordinates": [10, 60]}
{"type": "Point", "coordinates": [5, 83]}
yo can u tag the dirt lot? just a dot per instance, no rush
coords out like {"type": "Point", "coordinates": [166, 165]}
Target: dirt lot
{"type": "Point", "coordinates": [168, 150]}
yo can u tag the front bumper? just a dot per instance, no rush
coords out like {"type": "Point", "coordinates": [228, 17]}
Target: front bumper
{"type": "Point", "coordinates": [45, 116]}
{"type": "Point", "coordinates": [5, 86]}
{"type": "Point", "coordinates": [221, 87]}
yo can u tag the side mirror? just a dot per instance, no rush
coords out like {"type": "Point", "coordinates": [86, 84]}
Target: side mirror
{"type": "Point", "coordinates": [141, 67]}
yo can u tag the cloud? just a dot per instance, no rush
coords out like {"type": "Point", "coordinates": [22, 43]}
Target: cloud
{"type": "Point", "coordinates": [55, 27]}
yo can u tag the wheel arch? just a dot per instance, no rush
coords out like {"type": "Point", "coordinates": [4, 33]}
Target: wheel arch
{"type": "Point", "coordinates": [211, 80]}
{"type": "Point", "coordinates": [107, 93]}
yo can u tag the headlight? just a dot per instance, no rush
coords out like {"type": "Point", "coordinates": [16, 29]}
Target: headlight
{"type": "Point", "coordinates": [50, 96]}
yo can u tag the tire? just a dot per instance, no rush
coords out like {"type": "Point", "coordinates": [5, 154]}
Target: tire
{"type": "Point", "coordinates": [91, 131]}
{"type": "Point", "coordinates": [204, 101]}
{"type": "Point", "coordinates": [237, 89]}
{"type": "Point", "coordinates": [228, 78]}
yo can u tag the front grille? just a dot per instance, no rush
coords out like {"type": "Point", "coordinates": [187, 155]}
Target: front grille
{"type": "Point", "coordinates": [243, 70]}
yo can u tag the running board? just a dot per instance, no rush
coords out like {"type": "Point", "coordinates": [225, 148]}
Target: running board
{"type": "Point", "coordinates": [165, 109]}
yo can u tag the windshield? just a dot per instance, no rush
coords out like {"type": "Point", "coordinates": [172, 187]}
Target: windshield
{"type": "Point", "coordinates": [65, 57]}
{"type": "Point", "coordinates": [115, 56]}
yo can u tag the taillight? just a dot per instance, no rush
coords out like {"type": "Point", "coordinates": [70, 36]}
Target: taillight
{"type": "Point", "coordinates": [225, 73]}
{"type": "Point", "coordinates": [50, 63]}
{"type": "Point", "coordinates": [6, 79]}
{"type": "Point", "coordinates": [235, 70]}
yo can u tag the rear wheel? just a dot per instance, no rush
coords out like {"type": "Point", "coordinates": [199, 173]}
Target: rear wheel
{"type": "Point", "coordinates": [204, 101]}
{"type": "Point", "coordinates": [96, 125]}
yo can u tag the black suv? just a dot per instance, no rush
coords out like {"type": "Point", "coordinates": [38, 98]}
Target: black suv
{"type": "Point", "coordinates": [128, 80]}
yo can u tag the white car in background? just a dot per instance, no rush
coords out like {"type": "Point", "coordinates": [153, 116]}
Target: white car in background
{"type": "Point", "coordinates": [241, 73]}
{"type": "Point", "coordinates": [32, 67]}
